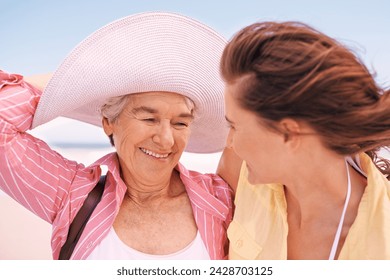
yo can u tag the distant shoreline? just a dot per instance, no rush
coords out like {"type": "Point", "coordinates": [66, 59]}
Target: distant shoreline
{"type": "Point", "coordinates": [80, 145]}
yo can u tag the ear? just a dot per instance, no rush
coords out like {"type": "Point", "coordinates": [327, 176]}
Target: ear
{"type": "Point", "coordinates": [107, 126]}
{"type": "Point", "coordinates": [291, 130]}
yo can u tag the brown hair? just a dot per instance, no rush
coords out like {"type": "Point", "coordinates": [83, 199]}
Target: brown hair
{"type": "Point", "coordinates": [290, 70]}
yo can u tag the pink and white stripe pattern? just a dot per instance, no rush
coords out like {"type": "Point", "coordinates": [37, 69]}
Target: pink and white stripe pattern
{"type": "Point", "coordinates": [54, 187]}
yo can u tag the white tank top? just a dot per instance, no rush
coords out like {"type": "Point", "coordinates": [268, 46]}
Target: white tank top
{"type": "Point", "coordinates": [112, 248]}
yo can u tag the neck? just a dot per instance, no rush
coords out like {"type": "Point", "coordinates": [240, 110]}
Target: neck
{"type": "Point", "coordinates": [317, 189]}
{"type": "Point", "coordinates": [144, 192]}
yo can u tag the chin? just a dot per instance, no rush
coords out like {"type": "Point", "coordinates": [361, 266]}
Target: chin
{"type": "Point", "coordinates": [258, 179]}
{"type": "Point", "coordinates": [253, 179]}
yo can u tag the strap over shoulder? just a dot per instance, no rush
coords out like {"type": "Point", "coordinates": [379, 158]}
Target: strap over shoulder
{"type": "Point", "coordinates": [77, 226]}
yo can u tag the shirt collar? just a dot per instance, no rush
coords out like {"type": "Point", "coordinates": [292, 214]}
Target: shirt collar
{"type": "Point", "coordinates": [200, 194]}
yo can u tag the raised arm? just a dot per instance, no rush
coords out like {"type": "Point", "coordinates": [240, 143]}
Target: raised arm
{"type": "Point", "coordinates": [31, 173]}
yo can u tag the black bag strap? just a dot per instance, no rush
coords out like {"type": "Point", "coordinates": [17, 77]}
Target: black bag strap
{"type": "Point", "coordinates": [81, 219]}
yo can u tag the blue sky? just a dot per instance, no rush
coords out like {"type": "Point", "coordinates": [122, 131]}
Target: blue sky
{"type": "Point", "coordinates": [37, 35]}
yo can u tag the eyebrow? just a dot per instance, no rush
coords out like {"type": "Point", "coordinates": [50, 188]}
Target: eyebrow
{"type": "Point", "coordinates": [146, 109]}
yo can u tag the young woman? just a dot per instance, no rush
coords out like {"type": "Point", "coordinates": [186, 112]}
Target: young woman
{"type": "Point", "coordinates": [307, 119]}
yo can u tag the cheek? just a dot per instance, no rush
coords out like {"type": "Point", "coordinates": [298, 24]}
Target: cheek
{"type": "Point", "coordinates": [242, 144]}
{"type": "Point", "coordinates": [124, 138]}
{"type": "Point", "coordinates": [182, 137]}
{"type": "Point", "coordinates": [122, 144]}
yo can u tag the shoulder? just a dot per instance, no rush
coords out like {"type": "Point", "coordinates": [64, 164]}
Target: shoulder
{"type": "Point", "coordinates": [371, 171]}
{"type": "Point", "coordinates": [207, 180]}
{"type": "Point", "coordinates": [209, 183]}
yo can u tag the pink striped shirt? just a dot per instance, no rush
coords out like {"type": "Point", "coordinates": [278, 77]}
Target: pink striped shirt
{"type": "Point", "coordinates": [54, 188]}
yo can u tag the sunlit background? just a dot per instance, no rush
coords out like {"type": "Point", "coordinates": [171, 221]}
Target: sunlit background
{"type": "Point", "coordinates": [37, 35]}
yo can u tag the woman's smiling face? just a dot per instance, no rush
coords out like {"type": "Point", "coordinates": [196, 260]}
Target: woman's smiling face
{"type": "Point", "coordinates": [151, 134]}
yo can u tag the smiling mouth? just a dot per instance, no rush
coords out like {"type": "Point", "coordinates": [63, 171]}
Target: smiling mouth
{"type": "Point", "coordinates": [153, 154]}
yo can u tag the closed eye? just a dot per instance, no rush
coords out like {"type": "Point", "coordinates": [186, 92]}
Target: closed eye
{"type": "Point", "coordinates": [181, 124]}
{"type": "Point", "coordinates": [150, 120]}
{"type": "Point", "coordinates": [229, 123]}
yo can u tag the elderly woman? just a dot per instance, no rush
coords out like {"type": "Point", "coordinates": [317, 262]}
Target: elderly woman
{"type": "Point", "coordinates": [307, 118]}
{"type": "Point", "coordinates": [152, 82]}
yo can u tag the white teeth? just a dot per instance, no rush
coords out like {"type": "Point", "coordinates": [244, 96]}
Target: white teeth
{"type": "Point", "coordinates": [150, 153]}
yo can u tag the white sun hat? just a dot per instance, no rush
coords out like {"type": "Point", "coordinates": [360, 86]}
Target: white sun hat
{"type": "Point", "coordinates": [154, 51]}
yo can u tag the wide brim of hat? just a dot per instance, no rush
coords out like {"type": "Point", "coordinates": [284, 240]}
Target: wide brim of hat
{"type": "Point", "coordinates": [141, 53]}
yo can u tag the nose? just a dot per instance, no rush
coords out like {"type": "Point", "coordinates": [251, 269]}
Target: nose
{"type": "Point", "coordinates": [164, 135]}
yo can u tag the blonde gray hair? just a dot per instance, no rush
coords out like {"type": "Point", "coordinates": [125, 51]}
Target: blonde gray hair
{"type": "Point", "coordinates": [115, 105]}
